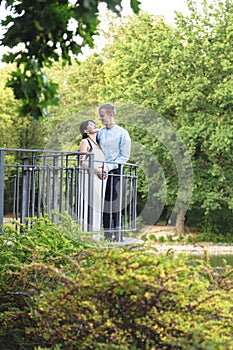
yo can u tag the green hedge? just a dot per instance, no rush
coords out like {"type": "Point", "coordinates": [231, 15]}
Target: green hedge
{"type": "Point", "coordinates": [72, 296]}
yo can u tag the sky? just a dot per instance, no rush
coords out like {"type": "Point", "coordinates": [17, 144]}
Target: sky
{"type": "Point", "coordinates": [164, 8]}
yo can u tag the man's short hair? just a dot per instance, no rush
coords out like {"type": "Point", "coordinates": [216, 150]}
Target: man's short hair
{"type": "Point", "coordinates": [109, 107]}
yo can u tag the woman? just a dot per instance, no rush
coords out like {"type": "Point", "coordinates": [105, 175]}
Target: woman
{"type": "Point", "coordinates": [89, 131]}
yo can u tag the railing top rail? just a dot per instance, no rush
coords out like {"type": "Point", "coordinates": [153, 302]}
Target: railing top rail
{"type": "Point", "coordinates": [38, 150]}
{"type": "Point", "coordinates": [59, 152]}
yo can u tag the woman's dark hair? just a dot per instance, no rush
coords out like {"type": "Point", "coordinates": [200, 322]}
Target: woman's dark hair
{"type": "Point", "coordinates": [83, 127]}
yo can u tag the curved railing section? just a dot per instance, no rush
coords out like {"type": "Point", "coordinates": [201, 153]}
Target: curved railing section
{"type": "Point", "coordinates": [35, 183]}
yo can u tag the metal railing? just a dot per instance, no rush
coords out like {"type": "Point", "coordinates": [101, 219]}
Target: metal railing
{"type": "Point", "coordinates": [35, 183]}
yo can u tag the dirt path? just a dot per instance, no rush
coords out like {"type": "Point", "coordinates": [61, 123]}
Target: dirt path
{"type": "Point", "coordinates": [169, 248]}
{"type": "Point", "coordinates": [157, 230]}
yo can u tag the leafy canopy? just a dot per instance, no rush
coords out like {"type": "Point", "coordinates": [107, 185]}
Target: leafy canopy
{"type": "Point", "coordinates": [39, 33]}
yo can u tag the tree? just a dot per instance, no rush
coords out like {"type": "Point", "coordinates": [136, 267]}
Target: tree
{"type": "Point", "coordinates": [15, 132]}
{"type": "Point", "coordinates": [8, 134]}
{"type": "Point", "coordinates": [185, 74]}
{"type": "Point", "coordinates": [201, 85]}
{"type": "Point", "coordinates": [135, 74]}
{"type": "Point", "coordinates": [40, 34]}
{"type": "Point", "coordinates": [79, 88]}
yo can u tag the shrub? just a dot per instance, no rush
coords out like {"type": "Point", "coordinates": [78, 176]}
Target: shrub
{"type": "Point", "coordinates": [152, 237]}
{"type": "Point", "coordinates": [189, 239]}
{"type": "Point", "coordinates": [170, 239]}
{"type": "Point", "coordinates": [143, 237]}
{"type": "Point", "coordinates": [180, 238]}
{"type": "Point", "coordinates": [41, 239]}
{"type": "Point", "coordinates": [161, 239]}
{"type": "Point", "coordinates": [112, 299]}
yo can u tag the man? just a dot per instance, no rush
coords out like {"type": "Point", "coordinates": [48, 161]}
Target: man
{"type": "Point", "coordinates": [115, 143]}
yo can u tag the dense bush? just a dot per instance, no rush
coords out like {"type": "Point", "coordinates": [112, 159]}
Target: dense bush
{"type": "Point", "coordinates": [218, 222]}
{"type": "Point", "coordinates": [58, 294]}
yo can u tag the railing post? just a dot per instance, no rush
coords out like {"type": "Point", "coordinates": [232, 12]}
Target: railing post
{"type": "Point", "coordinates": [2, 175]}
{"type": "Point", "coordinates": [17, 191]}
{"type": "Point", "coordinates": [48, 189]}
{"type": "Point", "coordinates": [25, 190]}
{"type": "Point", "coordinates": [119, 228]}
{"type": "Point", "coordinates": [67, 185]}
{"type": "Point", "coordinates": [55, 188]}
{"type": "Point", "coordinates": [134, 207]}
{"type": "Point", "coordinates": [90, 192]}
{"type": "Point", "coordinates": [39, 200]}
{"type": "Point", "coordinates": [61, 172]}
{"type": "Point", "coordinates": [33, 185]}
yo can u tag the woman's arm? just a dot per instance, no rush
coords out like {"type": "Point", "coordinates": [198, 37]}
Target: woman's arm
{"type": "Point", "coordinates": [83, 147]}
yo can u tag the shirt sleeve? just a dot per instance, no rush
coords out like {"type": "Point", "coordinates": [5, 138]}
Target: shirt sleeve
{"type": "Point", "coordinates": [124, 149]}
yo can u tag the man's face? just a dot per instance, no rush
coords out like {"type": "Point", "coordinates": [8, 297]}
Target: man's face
{"type": "Point", "coordinates": [104, 117]}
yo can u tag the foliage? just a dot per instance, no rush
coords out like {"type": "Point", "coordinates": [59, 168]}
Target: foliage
{"type": "Point", "coordinates": [16, 132]}
{"type": "Point", "coordinates": [161, 239]}
{"type": "Point", "coordinates": [180, 239]}
{"type": "Point", "coordinates": [206, 236]}
{"type": "Point", "coordinates": [40, 34]}
{"type": "Point", "coordinates": [185, 74]}
{"type": "Point", "coordinates": [190, 239]}
{"type": "Point", "coordinates": [79, 86]}
{"type": "Point", "coordinates": [39, 240]}
{"type": "Point", "coordinates": [8, 135]}
{"type": "Point", "coordinates": [182, 73]}
{"type": "Point", "coordinates": [58, 295]}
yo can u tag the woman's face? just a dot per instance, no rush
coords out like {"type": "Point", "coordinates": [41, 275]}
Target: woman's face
{"type": "Point", "coordinates": [92, 128]}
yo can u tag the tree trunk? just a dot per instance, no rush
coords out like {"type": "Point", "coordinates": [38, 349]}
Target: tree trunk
{"type": "Point", "coordinates": [180, 221]}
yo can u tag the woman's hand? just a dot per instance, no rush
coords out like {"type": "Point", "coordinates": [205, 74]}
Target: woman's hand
{"type": "Point", "coordinates": [102, 173]}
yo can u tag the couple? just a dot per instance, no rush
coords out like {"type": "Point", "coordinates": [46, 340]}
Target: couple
{"type": "Point", "coordinates": [111, 147]}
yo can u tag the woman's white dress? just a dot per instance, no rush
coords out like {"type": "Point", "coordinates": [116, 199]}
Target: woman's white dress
{"type": "Point", "coordinates": [98, 187]}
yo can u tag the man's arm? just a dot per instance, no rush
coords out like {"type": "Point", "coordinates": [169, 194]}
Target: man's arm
{"type": "Point", "coordinates": [124, 149]}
